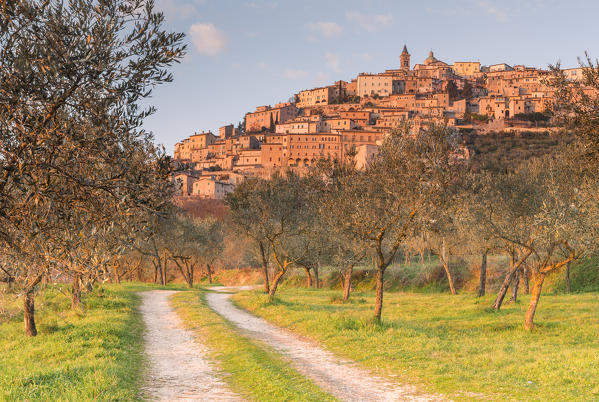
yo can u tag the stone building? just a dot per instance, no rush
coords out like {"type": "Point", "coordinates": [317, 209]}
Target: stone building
{"type": "Point", "coordinates": [404, 59]}
{"type": "Point", "coordinates": [317, 96]}
{"type": "Point", "coordinates": [265, 117]}
{"type": "Point", "coordinates": [466, 68]}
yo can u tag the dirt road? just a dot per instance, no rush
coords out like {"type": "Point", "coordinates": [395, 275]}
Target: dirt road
{"type": "Point", "coordinates": [178, 367]}
{"type": "Point", "coordinates": [342, 378]}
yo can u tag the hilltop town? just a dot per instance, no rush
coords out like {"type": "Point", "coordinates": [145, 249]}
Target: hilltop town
{"type": "Point", "coordinates": [332, 121]}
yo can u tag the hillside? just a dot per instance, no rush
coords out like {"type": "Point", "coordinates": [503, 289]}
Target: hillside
{"type": "Point", "coordinates": [501, 150]}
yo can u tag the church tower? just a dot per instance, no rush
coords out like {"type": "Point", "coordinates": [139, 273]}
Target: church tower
{"type": "Point", "coordinates": [404, 59]}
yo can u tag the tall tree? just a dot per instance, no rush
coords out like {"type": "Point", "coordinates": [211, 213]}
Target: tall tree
{"type": "Point", "coordinates": [452, 90]}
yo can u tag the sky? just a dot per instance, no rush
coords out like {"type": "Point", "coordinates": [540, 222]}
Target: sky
{"type": "Point", "coordinates": [247, 53]}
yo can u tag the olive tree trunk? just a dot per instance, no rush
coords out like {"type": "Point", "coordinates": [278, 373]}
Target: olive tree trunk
{"type": "Point", "coordinates": [308, 277]}
{"type": "Point", "coordinates": [449, 278]}
{"type": "Point", "coordinates": [445, 263]}
{"type": "Point", "coordinates": [378, 304]}
{"type": "Point", "coordinates": [29, 313]}
{"type": "Point", "coordinates": [275, 284]}
{"type": "Point", "coordinates": [76, 295]}
{"type": "Point", "coordinates": [115, 269]}
{"type": "Point", "coordinates": [29, 307]}
{"type": "Point", "coordinates": [508, 279]}
{"type": "Point", "coordinates": [139, 272]}
{"type": "Point", "coordinates": [264, 256]}
{"type": "Point", "coordinates": [515, 286]}
{"type": "Point", "coordinates": [347, 282]}
{"type": "Point", "coordinates": [568, 283]}
{"type": "Point", "coordinates": [483, 275]}
{"type": "Point", "coordinates": [209, 268]}
{"type": "Point", "coordinates": [164, 279]}
{"type": "Point", "coordinates": [158, 275]}
{"type": "Point", "coordinates": [190, 273]}
{"type": "Point", "coordinates": [534, 301]}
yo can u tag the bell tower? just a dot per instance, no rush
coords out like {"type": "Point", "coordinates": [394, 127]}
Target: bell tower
{"type": "Point", "coordinates": [404, 59]}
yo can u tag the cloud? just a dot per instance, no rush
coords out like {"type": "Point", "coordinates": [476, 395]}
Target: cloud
{"type": "Point", "coordinates": [328, 29]}
{"type": "Point", "coordinates": [179, 9]}
{"type": "Point", "coordinates": [294, 74]}
{"type": "Point", "coordinates": [332, 61]}
{"type": "Point", "coordinates": [369, 22]}
{"type": "Point", "coordinates": [490, 9]}
{"type": "Point", "coordinates": [207, 39]}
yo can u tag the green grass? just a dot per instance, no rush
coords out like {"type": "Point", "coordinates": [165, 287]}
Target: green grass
{"type": "Point", "coordinates": [96, 355]}
{"type": "Point", "coordinates": [254, 371]}
{"type": "Point", "coordinates": [454, 345]}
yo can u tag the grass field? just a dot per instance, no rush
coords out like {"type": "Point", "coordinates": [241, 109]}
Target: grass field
{"type": "Point", "coordinates": [253, 370]}
{"type": "Point", "coordinates": [454, 345]}
{"type": "Point", "coordinates": [92, 356]}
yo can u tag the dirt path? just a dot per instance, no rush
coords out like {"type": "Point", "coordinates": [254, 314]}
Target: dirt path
{"type": "Point", "coordinates": [343, 379]}
{"type": "Point", "coordinates": [178, 368]}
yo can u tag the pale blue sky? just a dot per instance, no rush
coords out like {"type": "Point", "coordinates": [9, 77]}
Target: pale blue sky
{"type": "Point", "coordinates": [245, 53]}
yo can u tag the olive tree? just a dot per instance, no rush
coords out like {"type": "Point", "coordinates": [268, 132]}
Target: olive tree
{"type": "Point", "coordinates": [192, 242]}
{"type": "Point", "coordinates": [71, 79]}
{"type": "Point", "coordinates": [249, 218]}
{"type": "Point", "coordinates": [546, 211]}
{"type": "Point", "coordinates": [287, 202]}
{"type": "Point", "coordinates": [344, 248]}
{"type": "Point", "coordinates": [576, 105]}
{"type": "Point", "coordinates": [276, 214]}
{"type": "Point", "coordinates": [397, 193]}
